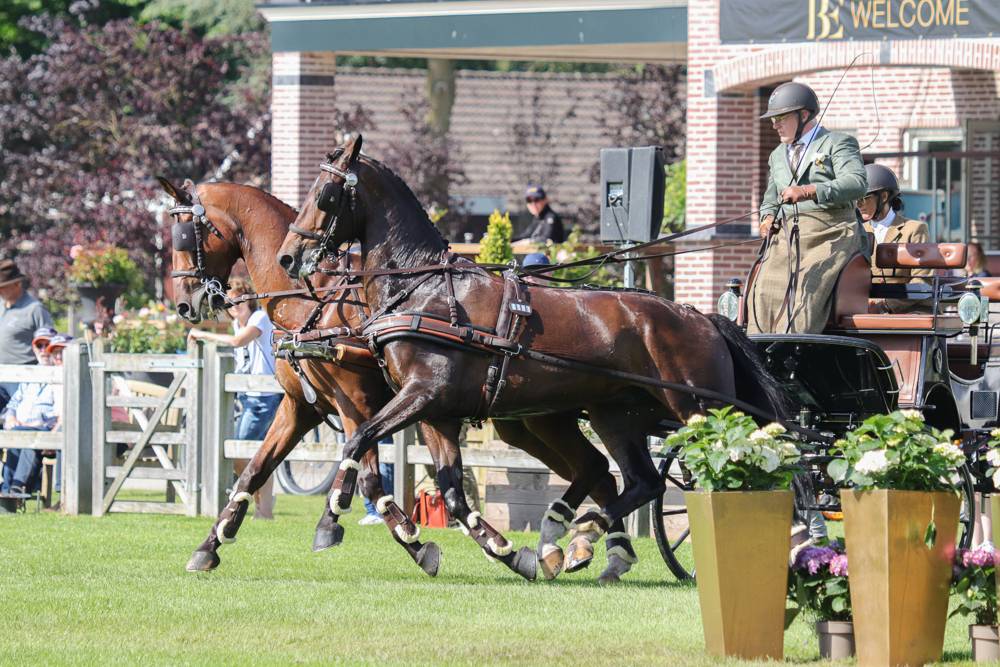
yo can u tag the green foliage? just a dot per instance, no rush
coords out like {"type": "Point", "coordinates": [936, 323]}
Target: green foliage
{"type": "Point", "coordinates": [974, 585]}
{"type": "Point", "coordinates": [571, 250]}
{"type": "Point", "coordinates": [897, 451]}
{"type": "Point", "coordinates": [214, 18]}
{"type": "Point", "coordinates": [675, 197]}
{"type": "Point", "coordinates": [150, 330]}
{"type": "Point", "coordinates": [26, 40]}
{"type": "Point", "coordinates": [818, 582]}
{"type": "Point", "coordinates": [496, 248]}
{"type": "Point", "coordinates": [726, 451]}
{"type": "Point", "coordinates": [101, 264]}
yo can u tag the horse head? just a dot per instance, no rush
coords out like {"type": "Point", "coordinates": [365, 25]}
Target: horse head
{"type": "Point", "coordinates": [329, 215]}
{"type": "Point", "coordinates": [204, 248]}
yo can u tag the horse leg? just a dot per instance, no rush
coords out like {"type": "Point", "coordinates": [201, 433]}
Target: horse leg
{"type": "Point", "coordinates": [624, 433]}
{"type": "Point", "coordinates": [293, 419]}
{"type": "Point", "coordinates": [442, 439]}
{"type": "Point", "coordinates": [401, 527]}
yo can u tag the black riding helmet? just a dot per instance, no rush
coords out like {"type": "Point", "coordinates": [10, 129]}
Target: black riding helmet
{"type": "Point", "coordinates": [881, 178]}
{"type": "Point", "coordinates": [789, 97]}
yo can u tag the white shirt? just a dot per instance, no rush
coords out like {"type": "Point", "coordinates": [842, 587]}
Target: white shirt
{"type": "Point", "coordinates": [880, 227]}
{"type": "Point", "coordinates": [257, 357]}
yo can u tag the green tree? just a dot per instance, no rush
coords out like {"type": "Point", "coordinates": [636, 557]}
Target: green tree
{"type": "Point", "coordinates": [496, 248]}
{"type": "Point", "coordinates": [675, 197]}
{"type": "Point", "coordinates": [18, 29]}
{"type": "Point", "coordinates": [214, 18]}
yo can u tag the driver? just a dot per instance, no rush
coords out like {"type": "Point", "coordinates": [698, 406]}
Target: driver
{"type": "Point", "coordinates": [807, 216]}
{"type": "Point", "coordinates": [878, 211]}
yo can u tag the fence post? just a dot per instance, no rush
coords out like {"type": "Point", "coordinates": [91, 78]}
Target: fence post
{"type": "Point", "coordinates": [404, 478]}
{"type": "Point", "coordinates": [194, 388]}
{"type": "Point", "coordinates": [217, 421]}
{"type": "Point", "coordinates": [78, 431]}
{"type": "Point", "coordinates": [99, 426]}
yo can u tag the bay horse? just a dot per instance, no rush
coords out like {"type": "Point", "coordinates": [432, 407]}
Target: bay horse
{"type": "Point", "coordinates": [251, 225]}
{"type": "Point", "coordinates": [600, 337]}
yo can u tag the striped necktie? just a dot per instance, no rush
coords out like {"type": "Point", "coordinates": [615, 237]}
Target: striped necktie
{"type": "Point", "coordinates": [795, 157]}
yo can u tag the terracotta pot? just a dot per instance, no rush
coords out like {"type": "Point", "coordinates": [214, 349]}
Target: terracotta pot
{"type": "Point", "coordinates": [899, 586]}
{"type": "Point", "coordinates": [985, 643]}
{"type": "Point", "coordinates": [741, 541]}
{"type": "Point", "coordinates": [98, 300]}
{"type": "Point", "coordinates": [836, 639]}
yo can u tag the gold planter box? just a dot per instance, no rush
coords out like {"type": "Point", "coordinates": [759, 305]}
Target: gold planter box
{"type": "Point", "coordinates": [741, 541]}
{"type": "Point", "coordinates": [899, 587]}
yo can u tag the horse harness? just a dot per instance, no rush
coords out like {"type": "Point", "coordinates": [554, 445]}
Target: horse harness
{"type": "Point", "coordinates": [187, 236]}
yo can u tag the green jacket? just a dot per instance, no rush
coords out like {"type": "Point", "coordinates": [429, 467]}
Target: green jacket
{"type": "Point", "coordinates": [833, 164]}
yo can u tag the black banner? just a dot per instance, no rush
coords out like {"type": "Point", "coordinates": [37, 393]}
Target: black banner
{"type": "Point", "coordinates": [748, 21]}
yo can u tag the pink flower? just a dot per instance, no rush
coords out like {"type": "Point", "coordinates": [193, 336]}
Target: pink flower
{"type": "Point", "coordinates": [838, 565]}
{"type": "Point", "coordinates": [979, 557]}
{"type": "Point", "coordinates": [812, 559]}
{"type": "Point", "coordinates": [75, 251]}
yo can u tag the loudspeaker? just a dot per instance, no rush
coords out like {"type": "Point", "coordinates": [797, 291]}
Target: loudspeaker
{"type": "Point", "coordinates": [632, 188]}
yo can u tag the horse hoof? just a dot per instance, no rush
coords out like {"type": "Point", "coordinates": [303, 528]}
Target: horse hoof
{"type": "Point", "coordinates": [328, 537]}
{"type": "Point", "coordinates": [203, 561]}
{"type": "Point", "coordinates": [429, 558]}
{"type": "Point", "coordinates": [608, 579]}
{"type": "Point", "coordinates": [552, 562]}
{"type": "Point", "coordinates": [580, 553]}
{"type": "Point", "coordinates": [525, 563]}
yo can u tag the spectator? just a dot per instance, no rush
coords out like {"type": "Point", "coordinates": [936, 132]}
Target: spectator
{"type": "Point", "coordinates": [546, 225]}
{"type": "Point", "coordinates": [975, 263]}
{"type": "Point", "coordinates": [33, 407]}
{"type": "Point", "coordinates": [20, 316]}
{"type": "Point", "coordinates": [251, 340]}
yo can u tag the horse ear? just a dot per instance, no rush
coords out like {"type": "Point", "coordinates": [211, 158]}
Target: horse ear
{"type": "Point", "coordinates": [178, 194]}
{"type": "Point", "coordinates": [354, 149]}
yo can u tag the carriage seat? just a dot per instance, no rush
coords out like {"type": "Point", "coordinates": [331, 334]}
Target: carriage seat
{"type": "Point", "coordinates": [850, 308]}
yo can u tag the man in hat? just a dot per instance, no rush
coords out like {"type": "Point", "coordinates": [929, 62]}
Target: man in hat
{"type": "Point", "coordinates": [546, 225]}
{"type": "Point", "coordinates": [20, 316]}
{"type": "Point", "coordinates": [807, 216]}
{"type": "Point", "coordinates": [879, 212]}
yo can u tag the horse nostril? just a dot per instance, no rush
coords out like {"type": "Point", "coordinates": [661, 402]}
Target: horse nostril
{"type": "Point", "coordinates": [183, 309]}
{"type": "Point", "coordinates": [286, 261]}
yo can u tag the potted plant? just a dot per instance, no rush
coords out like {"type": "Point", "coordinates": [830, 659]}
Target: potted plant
{"type": "Point", "coordinates": [741, 515]}
{"type": "Point", "coordinates": [975, 589]}
{"type": "Point", "coordinates": [150, 330]}
{"type": "Point", "coordinates": [101, 273]}
{"type": "Point", "coordinates": [817, 582]}
{"type": "Point", "coordinates": [900, 521]}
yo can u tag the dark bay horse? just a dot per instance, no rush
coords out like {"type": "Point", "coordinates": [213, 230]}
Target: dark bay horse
{"type": "Point", "coordinates": [251, 225]}
{"type": "Point", "coordinates": [355, 198]}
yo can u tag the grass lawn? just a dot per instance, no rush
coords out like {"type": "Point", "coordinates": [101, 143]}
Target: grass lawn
{"type": "Point", "coordinates": [114, 590]}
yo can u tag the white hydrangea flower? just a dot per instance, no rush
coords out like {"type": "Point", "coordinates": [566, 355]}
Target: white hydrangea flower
{"type": "Point", "coordinates": [995, 433]}
{"type": "Point", "coordinates": [872, 462]}
{"type": "Point", "coordinates": [769, 459]}
{"type": "Point", "coordinates": [144, 312]}
{"type": "Point", "coordinates": [718, 446]}
{"type": "Point", "coordinates": [759, 436]}
{"type": "Point", "coordinates": [694, 420]}
{"type": "Point", "coordinates": [118, 319]}
{"type": "Point", "coordinates": [993, 457]}
{"type": "Point", "coordinates": [950, 452]}
{"type": "Point", "coordinates": [736, 454]}
{"type": "Point", "coordinates": [996, 479]}
{"type": "Point", "coordinates": [912, 414]}
{"type": "Point", "coordinates": [774, 429]}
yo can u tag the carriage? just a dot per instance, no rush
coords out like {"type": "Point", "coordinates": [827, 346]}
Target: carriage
{"type": "Point", "coordinates": [938, 359]}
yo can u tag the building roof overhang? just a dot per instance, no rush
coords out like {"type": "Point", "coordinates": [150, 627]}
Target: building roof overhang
{"type": "Point", "coordinates": [594, 30]}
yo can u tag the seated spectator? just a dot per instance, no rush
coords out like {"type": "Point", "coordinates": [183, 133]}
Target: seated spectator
{"type": "Point", "coordinates": [975, 263]}
{"type": "Point", "coordinates": [251, 340]}
{"type": "Point", "coordinates": [33, 407]}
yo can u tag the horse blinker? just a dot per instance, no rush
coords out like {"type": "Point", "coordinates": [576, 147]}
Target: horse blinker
{"type": "Point", "coordinates": [329, 196]}
{"type": "Point", "coordinates": [183, 236]}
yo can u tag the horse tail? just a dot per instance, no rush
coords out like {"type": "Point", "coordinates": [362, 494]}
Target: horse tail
{"type": "Point", "coordinates": [754, 384]}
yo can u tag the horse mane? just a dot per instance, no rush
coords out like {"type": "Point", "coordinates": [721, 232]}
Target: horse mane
{"type": "Point", "coordinates": [411, 199]}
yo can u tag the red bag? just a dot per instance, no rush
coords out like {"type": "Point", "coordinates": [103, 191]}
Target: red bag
{"type": "Point", "coordinates": [430, 510]}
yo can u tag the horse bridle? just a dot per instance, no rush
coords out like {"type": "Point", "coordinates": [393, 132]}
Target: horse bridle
{"type": "Point", "coordinates": [331, 201]}
{"type": "Point", "coordinates": [186, 236]}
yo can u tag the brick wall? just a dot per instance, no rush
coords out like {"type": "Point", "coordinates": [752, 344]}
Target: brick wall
{"type": "Point", "coordinates": [727, 86]}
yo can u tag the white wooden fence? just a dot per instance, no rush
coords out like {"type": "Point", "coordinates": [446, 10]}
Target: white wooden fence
{"type": "Point", "coordinates": [183, 437]}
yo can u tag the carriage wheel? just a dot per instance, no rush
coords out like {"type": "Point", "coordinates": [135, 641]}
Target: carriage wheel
{"type": "Point", "coordinates": [306, 478]}
{"type": "Point", "coordinates": [670, 523]}
{"type": "Point", "coordinates": [967, 518]}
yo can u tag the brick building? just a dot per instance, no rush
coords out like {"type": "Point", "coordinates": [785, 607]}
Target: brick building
{"type": "Point", "coordinates": [933, 65]}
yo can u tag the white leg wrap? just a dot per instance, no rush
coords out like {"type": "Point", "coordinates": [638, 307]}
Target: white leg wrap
{"type": "Point", "coordinates": [499, 550]}
{"type": "Point", "coordinates": [489, 557]}
{"type": "Point", "coordinates": [221, 534]}
{"type": "Point", "coordinates": [473, 519]}
{"type": "Point", "coordinates": [350, 464]}
{"type": "Point", "coordinates": [552, 515]}
{"type": "Point", "coordinates": [560, 501]}
{"type": "Point", "coordinates": [382, 504]}
{"type": "Point", "coordinates": [549, 549]}
{"type": "Point", "coordinates": [593, 526]}
{"type": "Point", "coordinates": [409, 539]}
{"type": "Point", "coordinates": [620, 552]}
{"type": "Point", "coordinates": [465, 531]}
{"type": "Point", "coordinates": [624, 536]}
{"type": "Point", "coordinates": [240, 496]}
{"type": "Point", "coordinates": [335, 505]}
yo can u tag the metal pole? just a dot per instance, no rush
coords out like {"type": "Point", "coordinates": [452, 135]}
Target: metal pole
{"type": "Point", "coordinates": [637, 523]}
